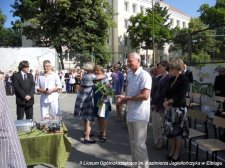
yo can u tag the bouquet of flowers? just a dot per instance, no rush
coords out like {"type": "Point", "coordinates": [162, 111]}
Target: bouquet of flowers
{"type": "Point", "coordinates": [106, 91]}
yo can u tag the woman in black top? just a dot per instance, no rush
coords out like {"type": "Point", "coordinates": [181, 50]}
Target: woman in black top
{"type": "Point", "coordinates": [175, 105]}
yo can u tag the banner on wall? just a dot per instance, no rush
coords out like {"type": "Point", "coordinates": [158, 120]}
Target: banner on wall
{"type": "Point", "coordinates": [204, 77]}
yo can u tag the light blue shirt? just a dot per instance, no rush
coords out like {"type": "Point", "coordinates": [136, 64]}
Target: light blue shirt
{"type": "Point", "coordinates": [138, 110]}
{"type": "Point", "coordinates": [88, 79]}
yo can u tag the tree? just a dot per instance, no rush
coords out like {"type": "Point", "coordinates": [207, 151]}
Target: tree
{"type": "Point", "coordinates": [72, 24]}
{"type": "Point", "coordinates": [141, 28]}
{"type": "Point", "coordinates": [180, 40]}
{"type": "Point", "coordinates": [8, 37]}
{"type": "Point", "coordinates": [215, 17]}
{"type": "Point", "coordinates": [202, 56]}
{"type": "Point", "coordinates": [202, 39]}
{"type": "Point", "coordinates": [196, 40]}
{"type": "Point", "coordinates": [2, 19]}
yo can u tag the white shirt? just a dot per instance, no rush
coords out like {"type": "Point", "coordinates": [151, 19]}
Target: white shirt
{"type": "Point", "coordinates": [108, 74]}
{"type": "Point", "coordinates": [72, 79]}
{"type": "Point", "coordinates": [138, 110]}
{"type": "Point", "coordinates": [49, 81]}
{"type": "Point", "coordinates": [23, 73]}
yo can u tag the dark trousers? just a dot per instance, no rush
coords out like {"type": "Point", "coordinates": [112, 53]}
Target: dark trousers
{"type": "Point", "coordinates": [21, 109]}
{"type": "Point", "coordinates": [72, 88]}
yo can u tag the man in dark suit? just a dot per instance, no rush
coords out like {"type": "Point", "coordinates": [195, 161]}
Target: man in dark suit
{"type": "Point", "coordinates": [23, 83]}
{"type": "Point", "coordinates": [219, 84]}
{"type": "Point", "coordinates": [187, 72]}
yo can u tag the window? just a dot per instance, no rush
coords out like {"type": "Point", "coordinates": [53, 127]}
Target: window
{"type": "Point", "coordinates": [178, 23]}
{"type": "Point", "coordinates": [171, 22]}
{"type": "Point", "coordinates": [125, 23]}
{"type": "Point", "coordinates": [125, 41]}
{"type": "Point", "coordinates": [126, 6]}
{"type": "Point", "coordinates": [134, 8]}
{"type": "Point", "coordinates": [184, 24]}
{"type": "Point", "coordinates": [142, 8]}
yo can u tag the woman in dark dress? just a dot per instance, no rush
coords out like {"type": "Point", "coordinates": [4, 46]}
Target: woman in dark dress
{"type": "Point", "coordinates": [175, 105]}
{"type": "Point", "coordinates": [84, 107]}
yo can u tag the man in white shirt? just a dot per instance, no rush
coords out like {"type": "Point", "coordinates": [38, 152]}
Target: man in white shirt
{"type": "Point", "coordinates": [48, 84]}
{"type": "Point", "coordinates": [138, 108]}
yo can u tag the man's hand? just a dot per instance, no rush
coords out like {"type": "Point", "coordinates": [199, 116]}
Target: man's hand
{"type": "Point", "coordinates": [120, 99]}
{"type": "Point", "coordinates": [49, 91]}
{"type": "Point", "coordinates": [27, 98]}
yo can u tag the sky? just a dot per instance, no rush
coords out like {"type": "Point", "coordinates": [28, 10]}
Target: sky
{"type": "Point", "coordinates": [189, 7]}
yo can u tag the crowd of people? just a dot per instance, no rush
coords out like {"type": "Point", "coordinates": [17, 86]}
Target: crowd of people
{"type": "Point", "coordinates": [161, 93]}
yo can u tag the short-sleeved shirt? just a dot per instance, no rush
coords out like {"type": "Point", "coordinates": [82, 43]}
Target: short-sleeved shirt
{"type": "Point", "coordinates": [49, 81]}
{"type": "Point", "coordinates": [88, 79]}
{"type": "Point", "coordinates": [138, 110]}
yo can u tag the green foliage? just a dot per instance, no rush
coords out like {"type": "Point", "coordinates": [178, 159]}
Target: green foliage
{"type": "Point", "coordinates": [102, 55]}
{"type": "Point", "coordinates": [180, 41]}
{"type": "Point", "coordinates": [215, 17]}
{"type": "Point", "coordinates": [197, 59]}
{"type": "Point", "coordinates": [74, 24]}
{"type": "Point", "coordinates": [141, 28]}
{"type": "Point", "coordinates": [8, 37]}
{"type": "Point", "coordinates": [104, 89]}
{"type": "Point", "coordinates": [194, 41]}
{"type": "Point", "coordinates": [201, 41]}
{"type": "Point", "coordinates": [2, 19]}
{"type": "Point", "coordinates": [201, 57]}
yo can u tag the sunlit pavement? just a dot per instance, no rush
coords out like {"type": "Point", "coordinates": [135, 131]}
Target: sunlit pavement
{"type": "Point", "coordinates": [111, 153]}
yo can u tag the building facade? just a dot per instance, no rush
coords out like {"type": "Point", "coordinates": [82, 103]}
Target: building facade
{"type": "Point", "coordinates": [123, 10]}
{"type": "Point", "coordinates": [119, 40]}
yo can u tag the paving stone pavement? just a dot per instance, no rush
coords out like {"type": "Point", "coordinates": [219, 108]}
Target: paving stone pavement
{"type": "Point", "coordinates": [107, 154]}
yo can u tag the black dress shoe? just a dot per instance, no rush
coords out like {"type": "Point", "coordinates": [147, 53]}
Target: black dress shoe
{"type": "Point", "coordinates": [102, 138]}
{"type": "Point", "coordinates": [175, 160]}
{"type": "Point", "coordinates": [168, 157]}
{"type": "Point", "coordinates": [89, 141]}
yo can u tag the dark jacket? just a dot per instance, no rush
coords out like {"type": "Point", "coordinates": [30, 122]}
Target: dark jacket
{"type": "Point", "coordinates": [178, 90]}
{"type": "Point", "coordinates": [189, 74]}
{"type": "Point", "coordinates": [159, 92]}
{"type": "Point", "coordinates": [219, 85]}
{"type": "Point", "coordinates": [23, 88]}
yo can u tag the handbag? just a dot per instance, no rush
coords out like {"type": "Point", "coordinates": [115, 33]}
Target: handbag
{"type": "Point", "coordinates": [101, 110]}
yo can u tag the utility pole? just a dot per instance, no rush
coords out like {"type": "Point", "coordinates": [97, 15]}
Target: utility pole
{"type": "Point", "coordinates": [153, 34]}
{"type": "Point", "coordinates": [190, 48]}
